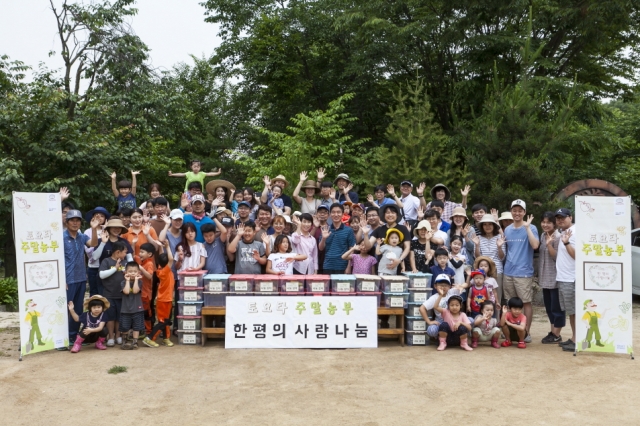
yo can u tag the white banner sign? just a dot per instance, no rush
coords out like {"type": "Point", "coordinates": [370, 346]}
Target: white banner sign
{"type": "Point", "coordinates": [42, 292]}
{"type": "Point", "coordinates": [301, 322]}
{"type": "Point", "coordinates": [603, 275]}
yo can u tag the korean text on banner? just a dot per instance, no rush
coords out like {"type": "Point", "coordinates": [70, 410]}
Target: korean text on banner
{"type": "Point", "coordinates": [603, 275]}
{"type": "Point", "coordinates": [41, 275]}
{"type": "Point", "coordinates": [301, 322]}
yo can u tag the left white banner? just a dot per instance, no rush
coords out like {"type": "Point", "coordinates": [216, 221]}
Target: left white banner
{"type": "Point", "coordinates": [301, 322]}
{"type": "Point", "coordinates": [37, 221]}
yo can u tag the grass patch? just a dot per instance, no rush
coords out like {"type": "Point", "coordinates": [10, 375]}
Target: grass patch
{"type": "Point", "coordinates": [116, 369]}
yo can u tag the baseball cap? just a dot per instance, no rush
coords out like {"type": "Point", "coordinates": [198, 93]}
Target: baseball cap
{"type": "Point", "coordinates": [73, 214]}
{"type": "Point", "coordinates": [477, 272]}
{"type": "Point", "coordinates": [443, 278]}
{"type": "Point", "coordinates": [176, 214]}
{"type": "Point", "coordinates": [197, 197]}
{"type": "Point", "coordinates": [227, 221]}
{"type": "Point", "coordinates": [520, 203]}
{"type": "Point", "coordinates": [406, 182]}
{"type": "Point", "coordinates": [323, 206]}
{"type": "Point", "coordinates": [244, 203]}
{"type": "Point", "coordinates": [563, 212]}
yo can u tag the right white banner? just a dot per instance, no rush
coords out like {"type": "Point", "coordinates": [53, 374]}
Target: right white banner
{"type": "Point", "coordinates": [603, 275]}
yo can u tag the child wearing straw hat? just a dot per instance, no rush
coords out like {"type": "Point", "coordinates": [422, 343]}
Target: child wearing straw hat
{"type": "Point", "coordinates": [389, 251]}
{"type": "Point", "coordinates": [92, 323]}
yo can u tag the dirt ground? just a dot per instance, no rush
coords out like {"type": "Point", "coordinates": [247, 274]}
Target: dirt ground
{"type": "Point", "coordinates": [391, 385]}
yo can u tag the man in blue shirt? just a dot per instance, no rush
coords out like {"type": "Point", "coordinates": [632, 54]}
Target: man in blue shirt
{"type": "Point", "coordinates": [74, 264]}
{"type": "Point", "coordinates": [336, 240]}
{"type": "Point", "coordinates": [198, 216]}
{"type": "Point", "coordinates": [520, 240]}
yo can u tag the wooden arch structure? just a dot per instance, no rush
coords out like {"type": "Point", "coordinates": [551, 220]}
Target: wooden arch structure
{"type": "Point", "coordinates": [597, 187]}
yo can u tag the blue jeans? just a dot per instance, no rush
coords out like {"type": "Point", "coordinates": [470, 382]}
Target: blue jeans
{"type": "Point", "coordinates": [551, 297]}
{"type": "Point", "coordinates": [95, 286]}
{"type": "Point", "coordinates": [75, 294]}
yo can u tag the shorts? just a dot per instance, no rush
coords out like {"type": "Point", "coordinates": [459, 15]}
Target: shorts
{"type": "Point", "coordinates": [518, 287]}
{"type": "Point", "coordinates": [113, 313]}
{"type": "Point", "coordinates": [513, 334]}
{"type": "Point", "coordinates": [567, 295]}
{"type": "Point", "coordinates": [485, 337]}
{"type": "Point", "coordinates": [133, 322]}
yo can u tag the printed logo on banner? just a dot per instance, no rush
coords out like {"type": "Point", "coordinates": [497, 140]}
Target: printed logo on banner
{"type": "Point", "coordinates": [301, 322]}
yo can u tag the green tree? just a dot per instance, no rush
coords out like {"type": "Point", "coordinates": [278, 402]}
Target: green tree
{"type": "Point", "coordinates": [420, 151]}
{"type": "Point", "coordinates": [317, 139]}
{"type": "Point", "coordinates": [514, 148]}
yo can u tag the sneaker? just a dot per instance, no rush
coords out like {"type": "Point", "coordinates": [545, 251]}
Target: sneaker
{"type": "Point", "coordinates": [167, 342]}
{"type": "Point", "coordinates": [111, 342]}
{"type": "Point", "coordinates": [495, 344]}
{"type": "Point", "coordinates": [570, 347]}
{"type": "Point", "coordinates": [522, 345]}
{"type": "Point", "coordinates": [118, 340]}
{"type": "Point", "coordinates": [551, 339]}
{"type": "Point", "coordinates": [566, 342]}
{"type": "Point", "coordinates": [150, 343]}
{"type": "Point", "coordinates": [506, 343]}
{"type": "Point", "coordinates": [527, 339]}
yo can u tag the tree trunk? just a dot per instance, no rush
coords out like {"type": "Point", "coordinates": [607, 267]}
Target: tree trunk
{"type": "Point", "coordinates": [10, 268]}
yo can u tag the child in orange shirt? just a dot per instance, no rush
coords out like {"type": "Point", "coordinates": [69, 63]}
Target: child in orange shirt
{"type": "Point", "coordinates": [147, 268]}
{"type": "Point", "coordinates": [164, 299]}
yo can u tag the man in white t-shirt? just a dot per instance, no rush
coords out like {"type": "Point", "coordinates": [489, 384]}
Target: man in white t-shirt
{"type": "Point", "coordinates": [566, 272]}
{"type": "Point", "coordinates": [443, 281]}
{"type": "Point", "coordinates": [408, 201]}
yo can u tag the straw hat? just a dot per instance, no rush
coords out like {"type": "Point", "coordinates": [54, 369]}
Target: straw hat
{"type": "Point", "coordinates": [106, 303]}
{"type": "Point", "coordinates": [282, 178]}
{"type": "Point", "coordinates": [459, 211]}
{"type": "Point", "coordinates": [211, 186]}
{"type": "Point", "coordinates": [311, 184]}
{"type": "Point", "coordinates": [114, 222]}
{"type": "Point", "coordinates": [488, 218]}
{"type": "Point", "coordinates": [423, 224]}
{"type": "Point", "coordinates": [505, 216]}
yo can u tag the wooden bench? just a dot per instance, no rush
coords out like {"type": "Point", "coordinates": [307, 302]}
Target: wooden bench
{"type": "Point", "coordinates": [399, 330]}
{"type": "Point", "coordinates": [209, 314]}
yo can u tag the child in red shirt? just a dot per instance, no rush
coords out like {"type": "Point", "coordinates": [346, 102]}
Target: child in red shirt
{"type": "Point", "coordinates": [165, 297]}
{"type": "Point", "coordinates": [513, 323]}
{"type": "Point", "coordinates": [478, 293]}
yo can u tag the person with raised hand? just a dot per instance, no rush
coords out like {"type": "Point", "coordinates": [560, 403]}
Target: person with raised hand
{"type": "Point", "coordinates": [520, 240]}
{"type": "Point", "coordinates": [309, 203]}
{"type": "Point", "coordinates": [125, 191]}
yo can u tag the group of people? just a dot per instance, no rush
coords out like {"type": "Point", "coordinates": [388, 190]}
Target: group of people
{"type": "Point", "coordinates": [482, 267]}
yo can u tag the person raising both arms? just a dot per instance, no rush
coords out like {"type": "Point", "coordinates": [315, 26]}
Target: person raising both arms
{"type": "Point", "coordinates": [195, 175]}
{"type": "Point", "coordinates": [308, 204]}
{"type": "Point", "coordinates": [442, 193]}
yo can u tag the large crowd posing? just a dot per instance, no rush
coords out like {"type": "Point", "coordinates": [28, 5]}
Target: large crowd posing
{"type": "Point", "coordinates": [482, 264]}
